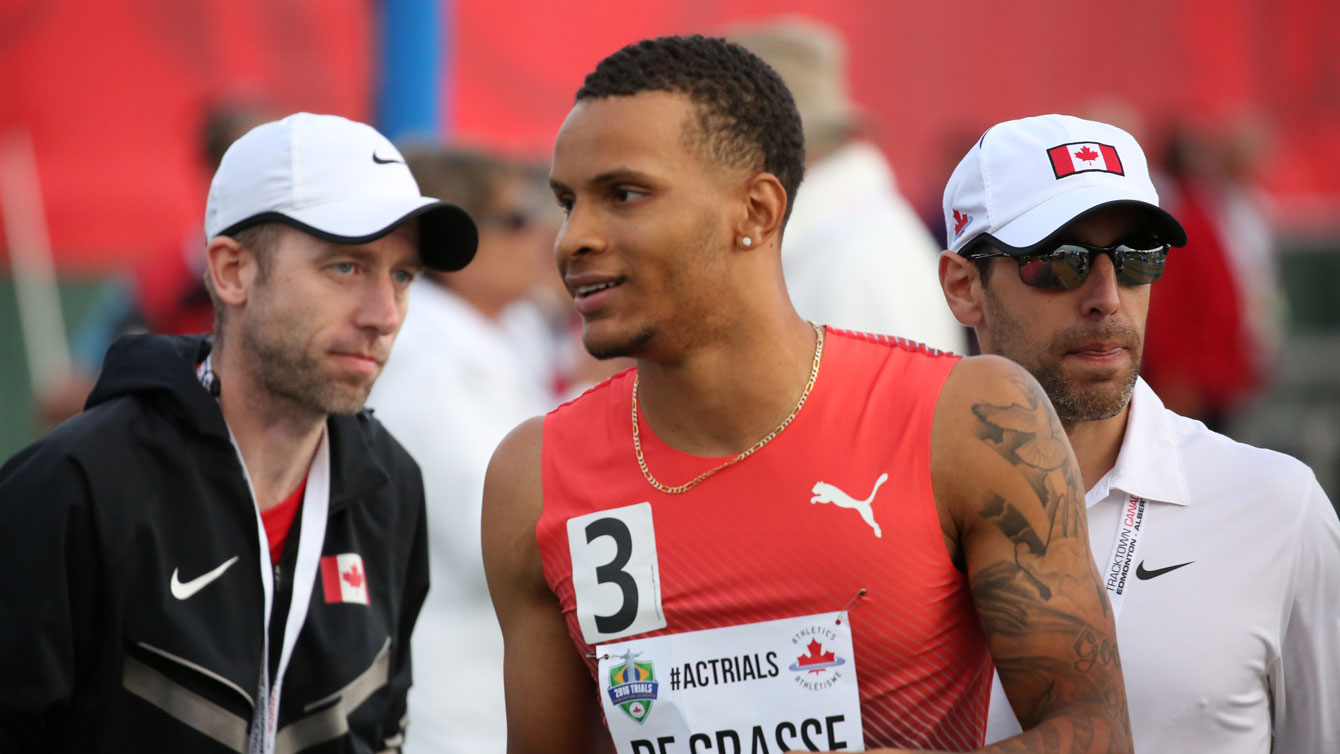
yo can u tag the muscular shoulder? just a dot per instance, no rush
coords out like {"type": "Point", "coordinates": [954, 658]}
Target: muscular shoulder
{"type": "Point", "coordinates": [990, 396]}
{"type": "Point", "coordinates": [518, 454]}
{"type": "Point", "coordinates": [513, 501]}
{"type": "Point", "coordinates": [994, 429]}
{"type": "Point", "coordinates": [987, 375]}
{"type": "Point", "coordinates": [512, 488]}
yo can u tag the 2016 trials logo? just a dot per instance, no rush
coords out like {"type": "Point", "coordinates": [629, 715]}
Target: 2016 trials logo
{"type": "Point", "coordinates": [633, 686]}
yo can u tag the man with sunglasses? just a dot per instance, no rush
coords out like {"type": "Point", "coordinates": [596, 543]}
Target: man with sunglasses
{"type": "Point", "coordinates": [1221, 561]}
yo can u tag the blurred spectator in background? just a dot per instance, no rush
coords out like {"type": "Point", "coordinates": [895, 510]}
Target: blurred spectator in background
{"type": "Point", "coordinates": [1248, 237]}
{"type": "Point", "coordinates": [855, 254]}
{"type": "Point", "coordinates": [950, 146]}
{"type": "Point", "coordinates": [1212, 320]}
{"type": "Point", "coordinates": [469, 365]}
{"type": "Point", "coordinates": [165, 294]}
{"type": "Point", "coordinates": [554, 338]}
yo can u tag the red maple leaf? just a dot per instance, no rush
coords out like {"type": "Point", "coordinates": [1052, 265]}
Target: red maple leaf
{"type": "Point", "coordinates": [354, 576]}
{"type": "Point", "coordinates": [816, 656]}
{"type": "Point", "coordinates": [960, 220]}
{"type": "Point", "coordinates": [1086, 154]}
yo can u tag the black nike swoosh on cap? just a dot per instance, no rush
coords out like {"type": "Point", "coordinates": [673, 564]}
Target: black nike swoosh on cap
{"type": "Point", "coordinates": [382, 161]}
{"type": "Point", "coordinates": [1144, 575]}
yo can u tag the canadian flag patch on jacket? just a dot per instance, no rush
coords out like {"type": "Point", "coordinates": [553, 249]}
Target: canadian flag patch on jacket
{"type": "Point", "coordinates": [344, 579]}
{"type": "Point", "coordinates": [1084, 157]}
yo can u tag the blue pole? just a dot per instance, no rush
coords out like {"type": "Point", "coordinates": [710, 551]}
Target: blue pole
{"type": "Point", "coordinates": [409, 89]}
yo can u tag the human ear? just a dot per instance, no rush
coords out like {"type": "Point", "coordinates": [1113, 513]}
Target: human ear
{"type": "Point", "coordinates": [962, 287]}
{"type": "Point", "coordinates": [231, 269]}
{"type": "Point", "coordinates": [765, 206]}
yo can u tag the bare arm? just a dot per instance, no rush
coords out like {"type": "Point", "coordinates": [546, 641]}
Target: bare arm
{"type": "Point", "coordinates": [551, 699]}
{"type": "Point", "coordinates": [1013, 501]}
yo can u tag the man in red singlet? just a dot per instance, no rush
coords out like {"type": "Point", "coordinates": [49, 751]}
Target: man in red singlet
{"type": "Point", "coordinates": [771, 535]}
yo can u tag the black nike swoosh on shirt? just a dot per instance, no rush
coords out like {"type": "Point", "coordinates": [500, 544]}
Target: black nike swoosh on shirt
{"type": "Point", "coordinates": [381, 161]}
{"type": "Point", "coordinates": [1144, 575]}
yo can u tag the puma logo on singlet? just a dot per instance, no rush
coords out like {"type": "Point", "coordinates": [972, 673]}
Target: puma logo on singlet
{"type": "Point", "coordinates": [827, 493]}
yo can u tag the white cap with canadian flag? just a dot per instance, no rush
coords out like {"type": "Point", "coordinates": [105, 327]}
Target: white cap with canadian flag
{"type": "Point", "coordinates": [1026, 179]}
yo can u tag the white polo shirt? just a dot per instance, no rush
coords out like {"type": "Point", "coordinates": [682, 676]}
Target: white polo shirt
{"type": "Point", "coordinates": [1229, 622]}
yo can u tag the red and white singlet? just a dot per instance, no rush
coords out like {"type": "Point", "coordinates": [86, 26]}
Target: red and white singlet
{"type": "Point", "coordinates": [838, 502]}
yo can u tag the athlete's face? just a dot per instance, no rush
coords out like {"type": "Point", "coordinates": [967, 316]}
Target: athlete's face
{"type": "Point", "coordinates": [318, 327]}
{"type": "Point", "coordinates": [642, 249]}
{"type": "Point", "coordinates": [1082, 345]}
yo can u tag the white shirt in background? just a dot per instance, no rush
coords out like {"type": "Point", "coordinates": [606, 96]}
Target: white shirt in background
{"type": "Point", "coordinates": [855, 255]}
{"type": "Point", "coordinates": [455, 385]}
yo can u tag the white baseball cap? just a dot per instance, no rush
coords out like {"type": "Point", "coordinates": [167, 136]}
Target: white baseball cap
{"type": "Point", "coordinates": [335, 179]}
{"type": "Point", "coordinates": [1027, 179]}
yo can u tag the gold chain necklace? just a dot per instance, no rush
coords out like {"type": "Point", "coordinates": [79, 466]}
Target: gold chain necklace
{"type": "Point", "coordinates": [637, 440]}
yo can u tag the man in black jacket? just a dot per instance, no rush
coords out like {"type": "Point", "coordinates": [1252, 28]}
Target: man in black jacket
{"type": "Point", "coordinates": [224, 552]}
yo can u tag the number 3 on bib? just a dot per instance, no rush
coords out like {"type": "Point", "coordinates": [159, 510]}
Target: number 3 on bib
{"type": "Point", "coordinates": [615, 574]}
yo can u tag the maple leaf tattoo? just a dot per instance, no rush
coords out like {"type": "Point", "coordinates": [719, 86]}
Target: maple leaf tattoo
{"type": "Point", "coordinates": [1086, 154]}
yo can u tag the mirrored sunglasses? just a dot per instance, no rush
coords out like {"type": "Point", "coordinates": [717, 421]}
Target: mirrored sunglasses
{"type": "Point", "coordinates": [1068, 265]}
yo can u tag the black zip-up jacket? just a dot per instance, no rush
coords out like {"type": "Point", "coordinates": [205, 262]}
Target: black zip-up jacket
{"type": "Point", "coordinates": [96, 652]}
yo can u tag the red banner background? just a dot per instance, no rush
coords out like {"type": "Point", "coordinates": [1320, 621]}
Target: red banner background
{"type": "Point", "coordinates": [113, 92]}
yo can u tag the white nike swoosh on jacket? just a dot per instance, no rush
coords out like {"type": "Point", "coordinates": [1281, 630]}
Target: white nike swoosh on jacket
{"type": "Point", "coordinates": [184, 590]}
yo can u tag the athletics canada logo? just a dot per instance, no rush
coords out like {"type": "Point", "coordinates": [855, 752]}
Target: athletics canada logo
{"type": "Point", "coordinates": [816, 668]}
{"type": "Point", "coordinates": [816, 660]}
{"type": "Point", "coordinates": [633, 686]}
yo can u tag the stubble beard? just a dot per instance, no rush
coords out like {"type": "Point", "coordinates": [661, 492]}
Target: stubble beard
{"type": "Point", "coordinates": [288, 371]}
{"type": "Point", "coordinates": [1076, 404]}
{"type": "Point", "coordinates": [1072, 402]}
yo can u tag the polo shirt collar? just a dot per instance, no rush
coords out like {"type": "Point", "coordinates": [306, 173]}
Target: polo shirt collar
{"type": "Point", "coordinates": [1149, 464]}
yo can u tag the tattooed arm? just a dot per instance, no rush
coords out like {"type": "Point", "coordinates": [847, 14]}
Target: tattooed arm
{"type": "Point", "coordinates": [1011, 505]}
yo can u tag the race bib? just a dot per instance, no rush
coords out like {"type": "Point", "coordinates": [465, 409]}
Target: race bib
{"type": "Point", "coordinates": [615, 573]}
{"type": "Point", "coordinates": [759, 688]}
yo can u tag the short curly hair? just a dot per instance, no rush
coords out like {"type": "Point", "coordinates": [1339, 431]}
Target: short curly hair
{"type": "Point", "coordinates": [747, 118]}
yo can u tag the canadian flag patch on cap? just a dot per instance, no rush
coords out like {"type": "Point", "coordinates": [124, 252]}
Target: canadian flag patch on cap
{"type": "Point", "coordinates": [1084, 157]}
{"type": "Point", "coordinates": [344, 579]}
